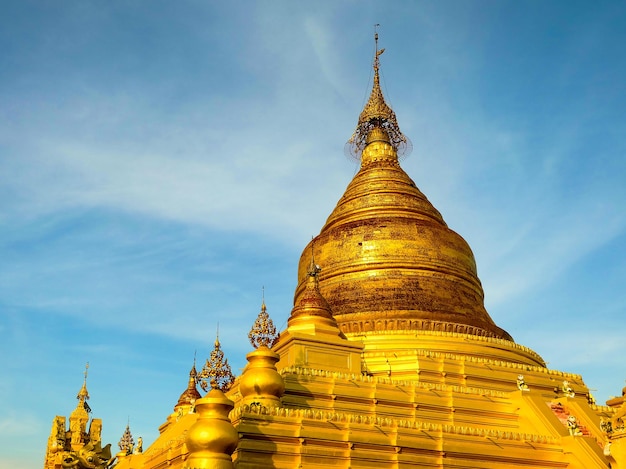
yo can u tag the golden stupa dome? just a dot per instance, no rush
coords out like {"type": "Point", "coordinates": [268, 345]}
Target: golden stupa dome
{"type": "Point", "coordinates": [191, 394]}
{"type": "Point", "coordinates": [388, 260]}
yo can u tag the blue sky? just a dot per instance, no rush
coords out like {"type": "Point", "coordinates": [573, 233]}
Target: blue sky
{"type": "Point", "coordinates": [161, 162]}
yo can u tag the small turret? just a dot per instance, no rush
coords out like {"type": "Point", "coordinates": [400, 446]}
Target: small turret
{"type": "Point", "coordinates": [187, 400]}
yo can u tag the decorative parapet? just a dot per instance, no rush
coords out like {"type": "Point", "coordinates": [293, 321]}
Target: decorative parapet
{"type": "Point", "coordinates": [473, 359]}
{"type": "Point", "coordinates": [387, 422]}
{"type": "Point", "coordinates": [154, 452]}
{"type": "Point", "coordinates": [394, 382]}
{"type": "Point", "coordinates": [478, 338]}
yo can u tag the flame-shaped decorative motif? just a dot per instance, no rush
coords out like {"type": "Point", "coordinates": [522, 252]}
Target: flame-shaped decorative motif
{"type": "Point", "coordinates": [216, 372]}
{"type": "Point", "coordinates": [263, 332]}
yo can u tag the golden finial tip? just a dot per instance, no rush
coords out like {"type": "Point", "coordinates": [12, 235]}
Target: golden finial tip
{"type": "Point", "coordinates": [377, 114]}
{"type": "Point", "coordinates": [263, 331]}
{"type": "Point", "coordinates": [216, 368]}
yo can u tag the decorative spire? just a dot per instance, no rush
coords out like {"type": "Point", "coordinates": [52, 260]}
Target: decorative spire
{"type": "Point", "coordinates": [314, 269]}
{"type": "Point", "coordinates": [312, 302]}
{"type": "Point", "coordinates": [312, 310]}
{"type": "Point", "coordinates": [126, 443]}
{"type": "Point", "coordinates": [83, 395]}
{"type": "Point", "coordinates": [263, 332]}
{"type": "Point", "coordinates": [377, 115]}
{"type": "Point", "coordinates": [216, 372]}
{"type": "Point", "coordinates": [191, 394]}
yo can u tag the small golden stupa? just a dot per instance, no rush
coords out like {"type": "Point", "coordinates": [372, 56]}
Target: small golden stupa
{"type": "Point", "coordinates": [389, 358]}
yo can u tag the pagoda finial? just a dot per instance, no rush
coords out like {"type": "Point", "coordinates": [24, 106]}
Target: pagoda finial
{"type": "Point", "coordinates": [377, 115]}
{"type": "Point", "coordinates": [263, 332]}
{"type": "Point", "coordinates": [378, 52]}
{"type": "Point", "coordinates": [126, 442]}
{"type": "Point", "coordinates": [261, 384]}
{"type": "Point", "coordinates": [191, 394]}
{"type": "Point", "coordinates": [312, 309]}
{"type": "Point", "coordinates": [83, 394]}
{"type": "Point", "coordinates": [314, 269]}
{"type": "Point", "coordinates": [216, 372]}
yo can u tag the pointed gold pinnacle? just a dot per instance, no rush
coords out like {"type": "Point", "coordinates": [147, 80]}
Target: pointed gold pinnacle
{"type": "Point", "coordinates": [377, 115]}
{"type": "Point", "coordinates": [263, 332]}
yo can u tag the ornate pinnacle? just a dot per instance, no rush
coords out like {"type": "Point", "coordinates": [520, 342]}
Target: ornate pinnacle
{"type": "Point", "coordinates": [314, 269]}
{"type": "Point", "coordinates": [216, 372]}
{"type": "Point", "coordinates": [126, 443]}
{"type": "Point", "coordinates": [83, 395]}
{"type": "Point", "coordinates": [190, 394]}
{"type": "Point", "coordinates": [263, 332]}
{"type": "Point", "coordinates": [377, 114]}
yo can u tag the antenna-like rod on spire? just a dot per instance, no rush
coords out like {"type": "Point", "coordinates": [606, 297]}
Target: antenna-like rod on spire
{"type": "Point", "coordinates": [376, 26]}
{"type": "Point", "coordinates": [314, 269]}
{"type": "Point", "coordinates": [83, 394]}
{"type": "Point", "coordinates": [378, 52]}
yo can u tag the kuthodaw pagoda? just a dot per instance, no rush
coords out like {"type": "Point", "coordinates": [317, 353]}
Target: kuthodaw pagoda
{"type": "Point", "coordinates": [389, 359]}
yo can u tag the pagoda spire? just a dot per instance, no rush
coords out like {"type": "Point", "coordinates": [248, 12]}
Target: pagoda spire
{"type": "Point", "coordinates": [263, 332]}
{"type": "Point", "coordinates": [261, 384]}
{"type": "Point", "coordinates": [216, 372]}
{"type": "Point", "coordinates": [377, 115]}
{"type": "Point", "coordinates": [191, 394]}
{"type": "Point", "coordinates": [126, 442]}
{"type": "Point", "coordinates": [80, 416]}
{"type": "Point", "coordinates": [311, 312]}
{"type": "Point", "coordinates": [390, 261]}
{"type": "Point", "coordinates": [83, 394]}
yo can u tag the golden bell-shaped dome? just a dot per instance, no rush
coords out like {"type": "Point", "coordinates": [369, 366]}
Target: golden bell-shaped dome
{"type": "Point", "coordinates": [191, 394]}
{"type": "Point", "coordinates": [389, 261]}
{"type": "Point", "coordinates": [212, 439]}
{"type": "Point", "coordinates": [260, 382]}
{"type": "Point", "coordinates": [311, 311]}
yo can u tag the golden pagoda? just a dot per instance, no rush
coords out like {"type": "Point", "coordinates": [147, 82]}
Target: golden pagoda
{"type": "Point", "coordinates": [389, 358]}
